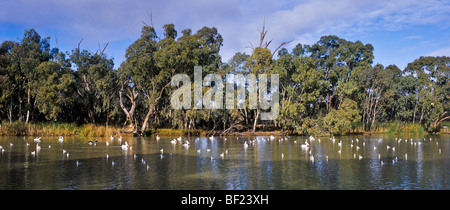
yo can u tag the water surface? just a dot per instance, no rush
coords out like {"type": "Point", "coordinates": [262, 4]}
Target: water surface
{"type": "Point", "coordinates": [351, 162]}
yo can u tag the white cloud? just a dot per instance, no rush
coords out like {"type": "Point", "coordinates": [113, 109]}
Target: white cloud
{"type": "Point", "coordinates": [441, 52]}
{"type": "Point", "coordinates": [238, 21]}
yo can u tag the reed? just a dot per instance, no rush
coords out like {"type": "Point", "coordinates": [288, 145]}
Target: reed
{"type": "Point", "coordinates": [19, 128]}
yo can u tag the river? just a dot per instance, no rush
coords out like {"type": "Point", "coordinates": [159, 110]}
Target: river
{"type": "Point", "coordinates": [219, 163]}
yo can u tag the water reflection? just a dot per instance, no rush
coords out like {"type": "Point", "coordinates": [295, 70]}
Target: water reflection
{"type": "Point", "coordinates": [351, 162]}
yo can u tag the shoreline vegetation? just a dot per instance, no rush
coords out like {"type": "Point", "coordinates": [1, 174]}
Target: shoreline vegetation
{"type": "Point", "coordinates": [90, 130]}
{"type": "Point", "coordinates": [331, 87]}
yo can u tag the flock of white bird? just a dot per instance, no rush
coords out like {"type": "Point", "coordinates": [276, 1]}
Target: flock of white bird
{"type": "Point", "coordinates": [307, 146]}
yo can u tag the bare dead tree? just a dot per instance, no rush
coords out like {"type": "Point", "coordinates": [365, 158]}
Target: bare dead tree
{"type": "Point", "coordinates": [150, 15]}
{"type": "Point", "coordinates": [79, 43]}
{"type": "Point", "coordinates": [262, 37]}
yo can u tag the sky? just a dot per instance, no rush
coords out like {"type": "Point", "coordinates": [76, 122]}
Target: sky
{"type": "Point", "coordinates": [400, 30]}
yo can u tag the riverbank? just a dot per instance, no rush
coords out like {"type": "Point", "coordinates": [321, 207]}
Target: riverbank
{"type": "Point", "coordinates": [57, 129]}
{"type": "Point", "coordinates": [89, 130]}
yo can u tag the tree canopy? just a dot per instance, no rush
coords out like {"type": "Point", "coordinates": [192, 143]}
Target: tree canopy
{"type": "Point", "coordinates": [331, 86]}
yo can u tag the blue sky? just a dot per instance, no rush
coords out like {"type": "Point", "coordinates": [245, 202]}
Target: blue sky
{"type": "Point", "coordinates": [400, 31]}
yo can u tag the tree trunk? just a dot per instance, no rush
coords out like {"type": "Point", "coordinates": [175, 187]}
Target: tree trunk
{"type": "Point", "coordinates": [132, 96]}
{"type": "Point", "coordinates": [152, 106]}
{"type": "Point", "coordinates": [374, 113]}
{"type": "Point", "coordinates": [256, 118]}
{"type": "Point", "coordinates": [28, 108]}
{"type": "Point", "coordinates": [144, 124]}
{"type": "Point", "coordinates": [415, 109]}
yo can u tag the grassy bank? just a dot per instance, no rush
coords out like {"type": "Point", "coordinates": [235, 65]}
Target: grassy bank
{"type": "Point", "coordinates": [56, 129]}
{"type": "Point", "coordinates": [70, 129]}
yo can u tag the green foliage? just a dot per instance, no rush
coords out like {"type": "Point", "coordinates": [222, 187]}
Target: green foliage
{"type": "Point", "coordinates": [329, 87]}
{"type": "Point", "coordinates": [344, 119]}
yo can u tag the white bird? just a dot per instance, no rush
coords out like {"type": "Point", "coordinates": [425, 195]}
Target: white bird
{"type": "Point", "coordinates": [61, 139]}
{"type": "Point", "coordinates": [64, 151]}
{"type": "Point", "coordinates": [311, 158]}
{"type": "Point", "coordinates": [27, 144]}
{"type": "Point", "coordinates": [211, 138]}
{"type": "Point", "coordinates": [272, 137]}
{"type": "Point", "coordinates": [304, 146]}
{"type": "Point", "coordinates": [282, 155]}
{"type": "Point", "coordinates": [112, 137]}
{"type": "Point", "coordinates": [33, 153]}
{"type": "Point", "coordinates": [78, 163]}
{"type": "Point", "coordinates": [311, 138]}
{"type": "Point", "coordinates": [393, 149]}
{"type": "Point", "coordinates": [221, 155]}
{"type": "Point", "coordinates": [340, 144]}
{"type": "Point", "coordinates": [120, 138]}
{"type": "Point", "coordinates": [174, 141]}
{"type": "Point", "coordinates": [107, 156]}
{"type": "Point", "coordinates": [49, 146]}
{"type": "Point", "coordinates": [179, 138]}
{"type": "Point", "coordinates": [339, 151]}
{"type": "Point", "coordinates": [113, 163]}
{"type": "Point", "coordinates": [198, 151]}
{"type": "Point", "coordinates": [11, 144]}
{"type": "Point", "coordinates": [125, 146]}
{"type": "Point", "coordinates": [360, 157]}
{"type": "Point", "coordinates": [162, 151]}
{"type": "Point", "coordinates": [37, 139]}
{"type": "Point", "coordinates": [245, 145]}
{"type": "Point", "coordinates": [158, 138]}
{"type": "Point", "coordinates": [38, 148]}
{"type": "Point", "coordinates": [406, 156]}
{"type": "Point", "coordinates": [107, 143]}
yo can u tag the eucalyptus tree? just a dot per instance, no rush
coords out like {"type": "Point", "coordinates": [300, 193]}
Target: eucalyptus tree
{"type": "Point", "coordinates": [53, 87]}
{"type": "Point", "coordinates": [6, 82]}
{"type": "Point", "coordinates": [151, 63]}
{"type": "Point", "coordinates": [94, 78]}
{"type": "Point", "coordinates": [376, 84]}
{"type": "Point", "coordinates": [340, 61]}
{"type": "Point", "coordinates": [24, 57]}
{"type": "Point", "coordinates": [431, 96]}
